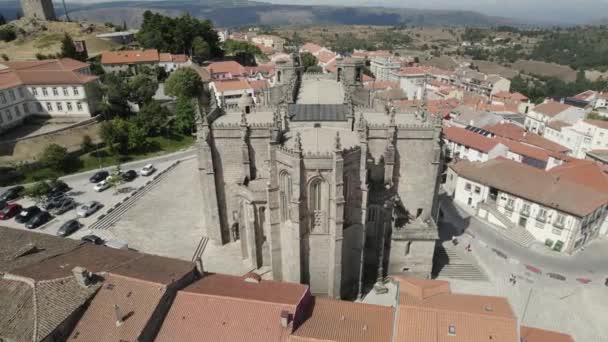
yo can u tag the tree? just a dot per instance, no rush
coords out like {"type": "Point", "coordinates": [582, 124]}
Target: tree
{"type": "Point", "coordinates": [115, 134]}
{"type": "Point", "coordinates": [152, 117]}
{"type": "Point", "coordinates": [185, 114]}
{"type": "Point", "coordinates": [137, 137]}
{"type": "Point", "coordinates": [115, 178]}
{"type": "Point", "coordinates": [38, 191]}
{"type": "Point", "coordinates": [2, 19]}
{"type": "Point", "coordinates": [184, 82]}
{"type": "Point", "coordinates": [55, 157]}
{"type": "Point", "coordinates": [87, 144]}
{"type": "Point", "coordinates": [68, 49]}
{"type": "Point", "coordinates": [116, 92]}
{"type": "Point", "coordinates": [141, 89]}
{"type": "Point", "coordinates": [7, 33]}
{"type": "Point", "coordinates": [308, 60]}
{"type": "Point", "coordinates": [201, 50]}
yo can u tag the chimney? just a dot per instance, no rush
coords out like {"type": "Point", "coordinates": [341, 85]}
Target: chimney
{"type": "Point", "coordinates": [119, 316]}
{"type": "Point", "coordinates": [82, 276]}
{"type": "Point", "coordinates": [284, 318]}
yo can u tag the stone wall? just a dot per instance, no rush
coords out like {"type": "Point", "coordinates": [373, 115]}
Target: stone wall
{"type": "Point", "coordinates": [40, 9]}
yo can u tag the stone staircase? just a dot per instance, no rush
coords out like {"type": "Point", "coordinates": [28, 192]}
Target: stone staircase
{"type": "Point", "coordinates": [514, 233]}
{"type": "Point", "coordinates": [450, 263]}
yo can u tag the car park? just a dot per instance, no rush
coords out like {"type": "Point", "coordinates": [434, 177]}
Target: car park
{"type": "Point", "coordinates": [88, 209]}
{"type": "Point", "coordinates": [26, 214]}
{"type": "Point", "coordinates": [101, 186]}
{"type": "Point", "coordinates": [66, 205]}
{"type": "Point", "coordinates": [54, 202]}
{"type": "Point", "coordinates": [68, 228]}
{"type": "Point", "coordinates": [38, 220]}
{"type": "Point", "coordinates": [99, 176]}
{"type": "Point", "coordinates": [12, 193]}
{"type": "Point", "coordinates": [129, 176]}
{"type": "Point", "coordinates": [60, 187]}
{"type": "Point", "coordinates": [147, 170]}
{"type": "Point", "coordinates": [94, 239]}
{"type": "Point", "coordinates": [10, 211]}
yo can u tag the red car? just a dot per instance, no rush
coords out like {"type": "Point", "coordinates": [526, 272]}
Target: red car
{"type": "Point", "coordinates": [9, 211]}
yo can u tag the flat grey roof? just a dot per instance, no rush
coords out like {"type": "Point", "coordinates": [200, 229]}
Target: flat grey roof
{"type": "Point", "coordinates": [318, 112]}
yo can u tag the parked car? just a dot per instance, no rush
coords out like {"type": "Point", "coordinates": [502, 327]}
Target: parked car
{"type": "Point", "coordinates": [101, 186]}
{"type": "Point", "coordinates": [54, 201]}
{"type": "Point", "coordinates": [11, 210]}
{"type": "Point", "coordinates": [12, 193]}
{"type": "Point", "coordinates": [88, 209]}
{"type": "Point", "coordinates": [69, 228]}
{"type": "Point", "coordinates": [2, 204]}
{"type": "Point", "coordinates": [117, 244]}
{"type": "Point", "coordinates": [26, 214]}
{"type": "Point", "coordinates": [66, 205]}
{"type": "Point", "coordinates": [129, 176]}
{"type": "Point", "coordinates": [94, 239]}
{"type": "Point", "coordinates": [60, 186]}
{"type": "Point", "coordinates": [38, 220]}
{"type": "Point", "coordinates": [147, 170]}
{"type": "Point", "coordinates": [99, 176]}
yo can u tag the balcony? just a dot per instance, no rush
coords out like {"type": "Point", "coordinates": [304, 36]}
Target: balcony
{"type": "Point", "coordinates": [525, 213]}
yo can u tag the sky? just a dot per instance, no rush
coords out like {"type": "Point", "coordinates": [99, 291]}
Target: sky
{"type": "Point", "coordinates": [555, 11]}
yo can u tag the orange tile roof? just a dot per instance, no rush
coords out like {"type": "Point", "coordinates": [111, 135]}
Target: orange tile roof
{"type": "Point", "coordinates": [551, 108]}
{"type": "Point", "coordinates": [340, 321]}
{"type": "Point", "coordinates": [506, 95]}
{"type": "Point", "coordinates": [525, 150]}
{"type": "Point", "coordinates": [259, 84]}
{"type": "Point", "coordinates": [231, 85]}
{"type": "Point", "coordinates": [474, 318]}
{"type": "Point", "coordinates": [137, 301]}
{"type": "Point", "coordinates": [168, 58]}
{"type": "Point", "coordinates": [529, 334]}
{"type": "Point", "coordinates": [311, 47]}
{"type": "Point", "coordinates": [225, 67]}
{"type": "Point", "coordinates": [326, 57]}
{"type": "Point", "coordinates": [533, 184]}
{"type": "Point", "coordinates": [411, 71]}
{"type": "Point", "coordinates": [584, 172]}
{"type": "Point", "coordinates": [61, 64]}
{"type": "Point", "coordinates": [469, 139]}
{"type": "Point", "coordinates": [130, 56]}
{"type": "Point", "coordinates": [48, 72]}
{"type": "Point", "coordinates": [603, 124]}
{"type": "Point", "coordinates": [514, 132]}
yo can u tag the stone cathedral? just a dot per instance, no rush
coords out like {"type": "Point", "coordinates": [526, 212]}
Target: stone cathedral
{"type": "Point", "coordinates": [302, 175]}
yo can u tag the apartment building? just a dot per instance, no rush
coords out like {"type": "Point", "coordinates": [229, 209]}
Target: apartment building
{"type": "Point", "coordinates": [412, 80]}
{"type": "Point", "coordinates": [582, 137]}
{"type": "Point", "coordinates": [382, 67]}
{"type": "Point", "coordinates": [52, 88]}
{"type": "Point", "coordinates": [481, 83]}
{"type": "Point", "coordinates": [539, 117]}
{"type": "Point", "coordinates": [132, 60]}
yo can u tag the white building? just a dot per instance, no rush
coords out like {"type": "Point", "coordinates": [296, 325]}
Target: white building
{"type": "Point", "coordinates": [581, 137]}
{"type": "Point", "coordinates": [383, 67]}
{"type": "Point", "coordinates": [230, 92]}
{"type": "Point", "coordinates": [557, 211]}
{"type": "Point", "coordinates": [412, 80]}
{"type": "Point", "coordinates": [50, 88]}
{"type": "Point", "coordinates": [274, 42]}
{"type": "Point", "coordinates": [131, 60]}
{"type": "Point", "coordinates": [538, 117]}
{"type": "Point", "coordinates": [481, 83]}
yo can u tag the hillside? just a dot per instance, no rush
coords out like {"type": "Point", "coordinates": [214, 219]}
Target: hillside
{"type": "Point", "coordinates": [222, 13]}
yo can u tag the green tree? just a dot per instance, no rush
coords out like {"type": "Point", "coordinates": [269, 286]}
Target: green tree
{"type": "Point", "coordinates": [38, 191]}
{"type": "Point", "coordinates": [201, 51]}
{"type": "Point", "coordinates": [116, 91]}
{"type": "Point", "coordinates": [56, 158]}
{"type": "Point", "coordinates": [142, 88]}
{"type": "Point", "coordinates": [68, 49]}
{"type": "Point", "coordinates": [184, 82]}
{"type": "Point", "coordinates": [185, 114]}
{"type": "Point", "coordinates": [115, 134]}
{"type": "Point", "coordinates": [308, 60]}
{"type": "Point", "coordinates": [87, 144]}
{"type": "Point", "coordinates": [137, 137]}
{"type": "Point", "coordinates": [152, 117]}
{"type": "Point", "coordinates": [8, 33]}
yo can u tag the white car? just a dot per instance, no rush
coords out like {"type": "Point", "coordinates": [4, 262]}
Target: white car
{"type": "Point", "coordinates": [101, 186]}
{"type": "Point", "coordinates": [147, 170]}
{"type": "Point", "coordinates": [88, 209]}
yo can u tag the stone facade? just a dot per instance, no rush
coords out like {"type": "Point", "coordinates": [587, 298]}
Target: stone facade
{"type": "Point", "coordinates": [305, 197]}
{"type": "Point", "coordinates": [39, 9]}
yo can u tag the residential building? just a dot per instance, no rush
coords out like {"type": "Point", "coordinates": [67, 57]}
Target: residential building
{"type": "Point", "coordinates": [481, 83]}
{"type": "Point", "coordinates": [539, 117]}
{"type": "Point", "coordinates": [230, 308]}
{"type": "Point", "coordinates": [412, 80]}
{"type": "Point", "coordinates": [583, 136]}
{"type": "Point", "coordinates": [230, 92]}
{"type": "Point", "coordinates": [226, 70]}
{"type": "Point", "coordinates": [132, 60]}
{"type": "Point", "coordinates": [382, 67]}
{"type": "Point", "coordinates": [274, 42]}
{"type": "Point", "coordinates": [561, 212]}
{"type": "Point", "coordinates": [313, 49]}
{"type": "Point", "coordinates": [49, 88]}
{"type": "Point", "coordinates": [514, 132]}
{"type": "Point", "coordinates": [516, 101]}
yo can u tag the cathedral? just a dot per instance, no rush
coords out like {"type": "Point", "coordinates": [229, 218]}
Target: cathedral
{"type": "Point", "coordinates": [320, 184]}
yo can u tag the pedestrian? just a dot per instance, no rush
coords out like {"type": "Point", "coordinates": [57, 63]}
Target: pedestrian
{"type": "Point", "coordinates": [468, 248]}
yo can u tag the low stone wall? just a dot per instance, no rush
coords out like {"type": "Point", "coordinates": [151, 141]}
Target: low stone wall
{"type": "Point", "coordinates": [29, 148]}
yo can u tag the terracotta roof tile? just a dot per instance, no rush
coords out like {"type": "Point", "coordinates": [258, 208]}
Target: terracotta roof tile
{"type": "Point", "coordinates": [340, 321]}
{"type": "Point", "coordinates": [231, 85]}
{"type": "Point", "coordinates": [551, 108]}
{"type": "Point", "coordinates": [311, 47]}
{"type": "Point", "coordinates": [514, 132]}
{"type": "Point", "coordinates": [130, 56]}
{"type": "Point", "coordinates": [469, 139]}
{"type": "Point", "coordinates": [326, 56]}
{"type": "Point", "coordinates": [525, 150]}
{"type": "Point", "coordinates": [381, 85]}
{"type": "Point", "coordinates": [529, 334]}
{"type": "Point", "coordinates": [411, 71]}
{"type": "Point", "coordinates": [603, 124]}
{"type": "Point", "coordinates": [584, 172]}
{"type": "Point", "coordinates": [259, 84]}
{"type": "Point", "coordinates": [48, 72]}
{"type": "Point", "coordinates": [226, 67]}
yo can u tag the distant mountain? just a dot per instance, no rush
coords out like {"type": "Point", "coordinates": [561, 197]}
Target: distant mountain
{"type": "Point", "coordinates": [234, 13]}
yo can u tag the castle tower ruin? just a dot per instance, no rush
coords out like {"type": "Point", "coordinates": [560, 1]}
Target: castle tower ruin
{"type": "Point", "coordinates": [39, 9]}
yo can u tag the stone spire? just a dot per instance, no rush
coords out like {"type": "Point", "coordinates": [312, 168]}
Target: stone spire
{"type": "Point", "coordinates": [393, 116]}
{"type": "Point", "coordinates": [337, 142]}
{"type": "Point", "coordinates": [243, 119]}
{"type": "Point", "coordinates": [297, 143]}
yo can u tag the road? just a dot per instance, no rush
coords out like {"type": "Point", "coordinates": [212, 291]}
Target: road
{"type": "Point", "coordinates": [82, 191]}
{"type": "Point", "coordinates": [590, 263]}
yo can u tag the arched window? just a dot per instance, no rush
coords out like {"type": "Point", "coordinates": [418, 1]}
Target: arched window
{"type": "Point", "coordinates": [285, 195]}
{"type": "Point", "coordinates": [279, 76]}
{"type": "Point", "coordinates": [315, 203]}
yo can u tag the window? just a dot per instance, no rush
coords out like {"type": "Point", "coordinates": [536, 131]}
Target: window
{"type": "Point", "coordinates": [55, 91]}
{"type": "Point", "coordinates": [21, 94]}
{"type": "Point", "coordinates": [70, 107]}
{"type": "Point", "coordinates": [65, 91]}
{"type": "Point", "coordinates": [45, 92]}
{"type": "Point", "coordinates": [9, 116]}
{"type": "Point", "coordinates": [315, 204]}
{"type": "Point", "coordinates": [39, 107]}
{"type": "Point", "coordinates": [2, 97]}
{"type": "Point", "coordinates": [542, 215]}
{"type": "Point", "coordinates": [49, 106]}
{"type": "Point", "coordinates": [59, 106]}
{"type": "Point", "coordinates": [540, 224]}
{"type": "Point", "coordinates": [1, 119]}
{"type": "Point", "coordinates": [17, 111]}
{"type": "Point", "coordinates": [467, 186]}
{"type": "Point", "coordinates": [510, 203]}
{"type": "Point", "coordinates": [75, 90]}
{"type": "Point", "coordinates": [26, 108]}
{"type": "Point", "coordinates": [35, 91]}
{"type": "Point", "coordinates": [78, 105]}
{"type": "Point", "coordinates": [285, 195]}
{"type": "Point", "coordinates": [11, 93]}
{"type": "Point", "coordinates": [557, 231]}
{"type": "Point", "coordinates": [452, 330]}
{"type": "Point", "coordinates": [477, 190]}
{"type": "Point", "coordinates": [560, 221]}
{"type": "Point", "coordinates": [525, 209]}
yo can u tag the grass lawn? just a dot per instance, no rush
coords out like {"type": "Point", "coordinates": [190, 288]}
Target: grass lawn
{"type": "Point", "coordinates": [158, 146]}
